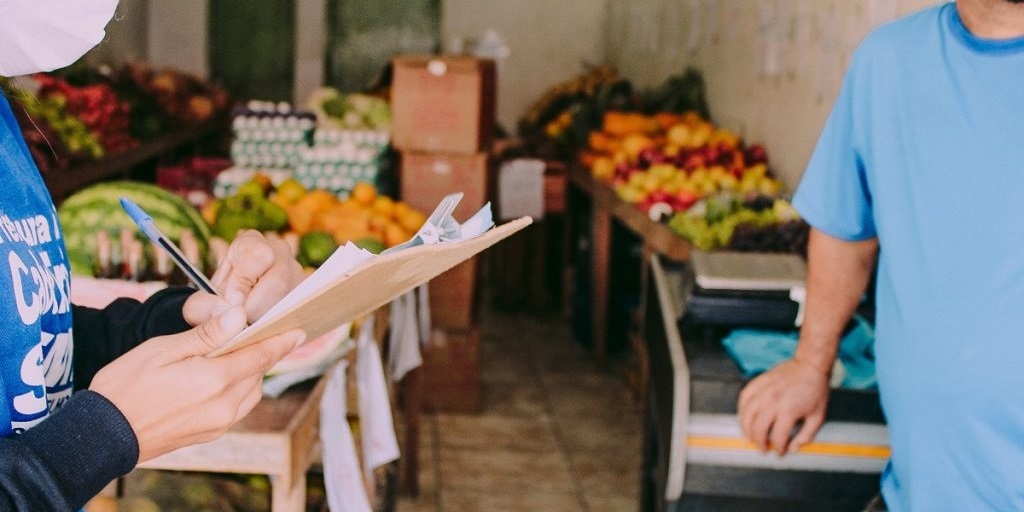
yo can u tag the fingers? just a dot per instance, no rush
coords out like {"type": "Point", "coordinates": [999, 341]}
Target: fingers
{"type": "Point", "coordinates": [201, 307]}
{"type": "Point", "coordinates": [812, 424]}
{"type": "Point", "coordinates": [257, 359]}
{"type": "Point", "coordinates": [759, 427]}
{"type": "Point", "coordinates": [257, 273]}
{"type": "Point", "coordinates": [780, 431]}
{"type": "Point", "coordinates": [249, 257]}
{"type": "Point", "coordinates": [211, 334]}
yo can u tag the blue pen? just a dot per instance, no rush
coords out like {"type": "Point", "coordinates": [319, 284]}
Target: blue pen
{"type": "Point", "coordinates": [148, 227]}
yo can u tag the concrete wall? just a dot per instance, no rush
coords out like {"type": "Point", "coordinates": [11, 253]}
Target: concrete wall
{"type": "Point", "coordinates": [550, 40]}
{"type": "Point", "coordinates": [773, 67]}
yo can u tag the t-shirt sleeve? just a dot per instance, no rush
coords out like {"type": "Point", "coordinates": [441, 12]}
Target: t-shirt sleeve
{"type": "Point", "coordinates": [833, 195]}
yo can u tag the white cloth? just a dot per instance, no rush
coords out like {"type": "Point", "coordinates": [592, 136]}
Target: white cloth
{"type": "Point", "coordinates": [44, 35]}
{"type": "Point", "coordinates": [342, 475]}
{"type": "Point", "coordinates": [377, 428]}
{"type": "Point", "coordinates": [404, 349]}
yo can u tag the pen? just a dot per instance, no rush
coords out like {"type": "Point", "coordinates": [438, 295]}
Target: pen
{"type": "Point", "coordinates": [148, 227]}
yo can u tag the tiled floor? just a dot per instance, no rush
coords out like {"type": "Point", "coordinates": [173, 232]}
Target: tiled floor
{"type": "Point", "coordinates": [554, 434]}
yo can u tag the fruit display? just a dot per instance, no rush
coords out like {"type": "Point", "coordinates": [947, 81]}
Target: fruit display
{"type": "Point", "coordinates": [700, 175]}
{"type": "Point", "coordinates": [80, 114]}
{"type": "Point", "coordinates": [757, 224]}
{"type": "Point", "coordinates": [181, 99]}
{"type": "Point", "coordinates": [98, 209]}
{"type": "Point", "coordinates": [355, 111]}
{"type": "Point", "coordinates": [316, 220]}
{"type": "Point", "coordinates": [96, 106]}
{"type": "Point", "coordinates": [560, 123]}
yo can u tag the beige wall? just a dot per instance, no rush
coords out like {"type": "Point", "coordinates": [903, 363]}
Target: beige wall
{"type": "Point", "coordinates": [549, 42]}
{"type": "Point", "coordinates": [773, 67]}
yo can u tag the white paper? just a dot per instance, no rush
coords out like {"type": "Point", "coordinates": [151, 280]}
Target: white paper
{"type": "Point", "coordinates": [521, 189]}
{"type": "Point", "coordinates": [380, 446]}
{"type": "Point", "coordinates": [405, 354]}
{"type": "Point", "coordinates": [343, 260]}
{"type": "Point", "coordinates": [342, 475]}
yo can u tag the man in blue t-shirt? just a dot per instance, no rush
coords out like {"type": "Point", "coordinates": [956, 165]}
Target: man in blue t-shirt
{"type": "Point", "coordinates": [921, 164]}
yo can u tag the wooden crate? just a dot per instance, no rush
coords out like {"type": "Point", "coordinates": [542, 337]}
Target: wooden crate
{"type": "Point", "coordinates": [451, 371]}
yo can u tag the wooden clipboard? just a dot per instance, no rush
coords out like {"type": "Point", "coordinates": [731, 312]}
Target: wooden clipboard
{"type": "Point", "coordinates": [369, 286]}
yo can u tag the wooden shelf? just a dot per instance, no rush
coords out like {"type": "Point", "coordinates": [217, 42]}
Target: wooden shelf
{"type": "Point", "coordinates": [64, 182]}
{"type": "Point", "coordinates": [658, 236]}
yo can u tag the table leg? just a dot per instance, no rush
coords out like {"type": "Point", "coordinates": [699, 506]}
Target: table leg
{"type": "Point", "coordinates": [411, 387]}
{"type": "Point", "coordinates": [601, 249]}
{"type": "Point", "coordinates": [288, 496]}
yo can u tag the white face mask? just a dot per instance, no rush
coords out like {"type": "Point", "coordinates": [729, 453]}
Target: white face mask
{"type": "Point", "coordinates": [44, 35]}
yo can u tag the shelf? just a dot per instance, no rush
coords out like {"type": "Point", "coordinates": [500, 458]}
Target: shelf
{"type": "Point", "coordinates": [63, 182]}
{"type": "Point", "coordinates": [658, 236]}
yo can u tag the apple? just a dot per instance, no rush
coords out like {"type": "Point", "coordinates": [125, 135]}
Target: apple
{"type": "Point", "coordinates": [757, 154]}
{"type": "Point", "coordinates": [685, 199]}
{"type": "Point", "coordinates": [694, 161]}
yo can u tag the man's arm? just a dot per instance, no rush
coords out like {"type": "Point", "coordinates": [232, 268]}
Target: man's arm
{"type": "Point", "coordinates": [797, 390]}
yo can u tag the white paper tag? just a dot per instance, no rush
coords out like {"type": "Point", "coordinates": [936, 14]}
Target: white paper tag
{"type": "Point", "coordinates": [380, 446]}
{"type": "Point", "coordinates": [521, 189]}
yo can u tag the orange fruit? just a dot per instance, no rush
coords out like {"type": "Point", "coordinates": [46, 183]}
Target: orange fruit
{"type": "Point", "coordinates": [412, 221]}
{"type": "Point", "coordinates": [394, 235]}
{"type": "Point", "coordinates": [384, 205]}
{"type": "Point", "coordinates": [400, 209]}
{"type": "Point", "coordinates": [364, 192]}
{"type": "Point", "coordinates": [301, 219]}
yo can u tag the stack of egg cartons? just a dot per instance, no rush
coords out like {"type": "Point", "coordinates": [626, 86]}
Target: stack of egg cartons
{"type": "Point", "coordinates": [341, 158]}
{"type": "Point", "coordinates": [268, 138]}
{"type": "Point", "coordinates": [270, 135]}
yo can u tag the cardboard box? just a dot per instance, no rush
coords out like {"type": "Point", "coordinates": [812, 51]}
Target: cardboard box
{"type": "Point", "coordinates": [426, 178]}
{"type": "Point", "coordinates": [451, 371]}
{"type": "Point", "coordinates": [443, 104]}
{"type": "Point", "coordinates": [454, 297]}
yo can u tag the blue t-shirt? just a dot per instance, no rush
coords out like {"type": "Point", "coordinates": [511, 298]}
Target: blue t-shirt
{"type": "Point", "coordinates": [35, 318]}
{"type": "Point", "coordinates": [925, 150]}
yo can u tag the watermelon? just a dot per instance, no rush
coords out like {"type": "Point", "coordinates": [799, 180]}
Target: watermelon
{"type": "Point", "coordinates": [99, 208]}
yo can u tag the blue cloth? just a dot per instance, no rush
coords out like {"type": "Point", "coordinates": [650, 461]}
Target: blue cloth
{"type": "Point", "coordinates": [757, 351]}
{"type": "Point", "coordinates": [925, 150]}
{"type": "Point", "coordinates": [35, 319]}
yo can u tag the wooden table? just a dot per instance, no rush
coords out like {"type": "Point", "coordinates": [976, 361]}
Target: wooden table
{"type": "Point", "coordinates": [657, 238]}
{"type": "Point", "coordinates": [276, 439]}
{"type": "Point", "coordinates": [280, 436]}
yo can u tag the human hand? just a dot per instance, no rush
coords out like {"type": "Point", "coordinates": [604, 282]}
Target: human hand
{"type": "Point", "coordinates": [256, 273]}
{"type": "Point", "coordinates": [772, 404]}
{"type": "Point", "coordinates": [173, 396]}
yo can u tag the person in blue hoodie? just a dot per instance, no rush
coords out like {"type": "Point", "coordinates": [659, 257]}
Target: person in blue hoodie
{"type": "Point", "coordinates": [87, 394]}
{"type": "Point", "coordinates": [921, 167]}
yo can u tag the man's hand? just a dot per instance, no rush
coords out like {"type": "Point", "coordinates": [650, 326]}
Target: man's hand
{"type": "Point", "coordinates": [173, 396]}
{"type": "Point", "coordinates": [255, 274]}
{"type": "Point", "coordinates": [773, 403]}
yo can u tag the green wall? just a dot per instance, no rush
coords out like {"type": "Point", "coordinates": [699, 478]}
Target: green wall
{"type": "Point", "coordinates": [252, 47]}
{"type": "Point", "coordinates": [363, 35]}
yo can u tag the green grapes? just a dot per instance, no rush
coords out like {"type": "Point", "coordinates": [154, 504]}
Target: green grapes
{"type": "Point", "coordinates": [713, 227]}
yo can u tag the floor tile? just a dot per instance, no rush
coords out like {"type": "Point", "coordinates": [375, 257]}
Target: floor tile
{"type": "Point", "coordinates": [517, 399]}
{"type": "Point", "coordinates": [463, 501]}
{"type": "Point", "coordinates": [612, 503]}
{"type": "Point", "coordinates": [586, 435]}
{"type": "Point", "coordinates": [504, 472]}
{"type": "Point", "coordinates": [607, 472]}
{"type": "Point", "coordinates": [496, 432]}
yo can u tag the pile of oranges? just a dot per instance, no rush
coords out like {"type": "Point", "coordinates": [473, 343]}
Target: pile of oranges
{"type": "Point", "coordinates": [363, 217]}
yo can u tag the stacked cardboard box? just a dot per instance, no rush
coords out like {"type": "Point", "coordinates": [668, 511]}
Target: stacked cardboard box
{"type": "Point", "coordinates": [443, 112]}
